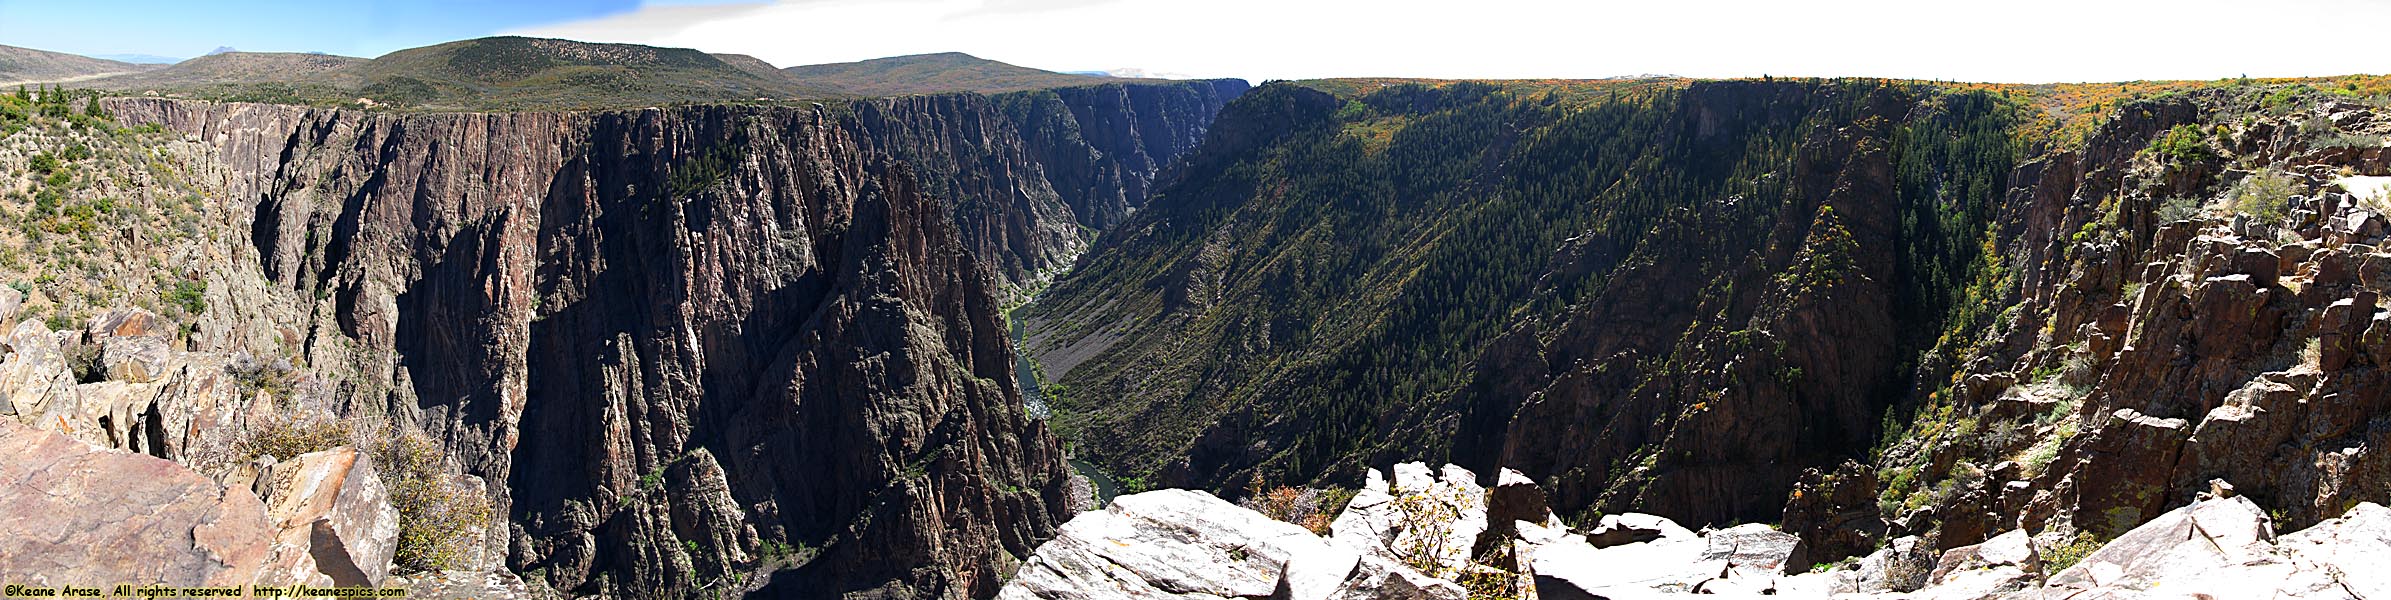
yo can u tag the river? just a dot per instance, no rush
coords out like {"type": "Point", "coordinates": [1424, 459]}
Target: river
{"type": "Point", "coordinates": [1033, 400]}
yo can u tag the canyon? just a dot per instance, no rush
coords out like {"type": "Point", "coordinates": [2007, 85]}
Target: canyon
{"type": "Point", "coordinates": [684, 349]}
{"type": "Point", "coordinates": [1858, 336]}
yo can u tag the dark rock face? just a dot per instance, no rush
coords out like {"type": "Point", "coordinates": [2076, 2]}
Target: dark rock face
{"type": "Point", "coordinates": [1031, 176]}
{"type": "Point", "coordinates": [2147, 358]}
{"type": "Point", "coordinates": [1772, 382]}
{"type": "Point", "coordinates": [694, 345]}
{"type": "Point", "coordinates": [1106, 147]}
{"type": "Point", "coordinates": [1835, 513]}
{"type": "Point", "coordinates": [1306, 301]}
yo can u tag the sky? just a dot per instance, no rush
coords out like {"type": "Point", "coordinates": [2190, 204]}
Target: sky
{"type": "Point", "coordinates": [2019, 41]}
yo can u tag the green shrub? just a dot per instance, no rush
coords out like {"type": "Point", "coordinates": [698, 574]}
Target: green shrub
{"type": "Point", "coordinates": [2265, 195]}
{"type": "Point", "coordinates": [2038, 458]}
{"type": "Point", "coordinates": [2177, 209]}
{"type": "Point", "coordinates": [437, 515]}
{"type": "Point", "coordinates": [1421, 514]}
{"type": "Point", "coordinates": [2349, 140]}
{"type": "Point", "coordinates": [1132, 484]}
{"type": "Point", "coordinates": [2059, 558]}
{"type": "Point", "coordinates": [2183, 143]}
{"type": "Point", "coordinates": [276, 378]}
{"type": "Point", "coordinates": [189, 295]}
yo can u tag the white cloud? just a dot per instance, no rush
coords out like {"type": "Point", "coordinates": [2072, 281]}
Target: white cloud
{"type": "Point", "coordinates": [2021, 41]}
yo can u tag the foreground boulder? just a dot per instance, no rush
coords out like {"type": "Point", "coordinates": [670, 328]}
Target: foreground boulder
{"type": "Point", "coordinates": [1438, 514]}
{"type": "Point", "coordinates": [2215, 548]}
{"type": "Point", "coordinates": [336, 524]}
{"type": "Point", "coordinates": [1183, 544]}
{"type": "Point", "coordinates": [2227, 548]}
{"type": "Point", "coordinates": [1187, 544]}
{"type": "Point", "coordinates": [74, 513]}
{"type": "Point", "coordinates": [1745, 559]}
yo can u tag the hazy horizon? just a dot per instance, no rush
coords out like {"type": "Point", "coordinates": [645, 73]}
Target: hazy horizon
{"type": "Point", "coordinates": [2035, 41]}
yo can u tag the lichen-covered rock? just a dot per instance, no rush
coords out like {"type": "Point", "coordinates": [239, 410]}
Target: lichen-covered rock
{"type": "Point", "coordinates": [1747, 559]}
{"type": "Point", "coordinates": [134, 359]}
{"type": "Point", "coordinates": [1630, 528]}
{"type": "Point", "coordinates": [128, 322]}
{"type": "Point", "coordinates": [2126, 477]}
{"type": "Point", "coordinates": [1163, 544]}
{"type": "Point", "coordinates": [462, 585]}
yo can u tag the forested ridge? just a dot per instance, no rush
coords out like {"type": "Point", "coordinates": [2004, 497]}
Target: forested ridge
{"type": "Point", "coordinates": [1320, 287]}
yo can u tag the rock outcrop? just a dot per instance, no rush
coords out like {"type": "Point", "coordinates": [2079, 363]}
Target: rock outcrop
{"type": "Point", "coordinates": [624, 321]}
{"type": "Point", "coordinates": [79, 514]}
{"type": "Point", "coordinates": [1187, 544]}
{"type": "Point", "coordinates": [2227, 548]}
{"type": "Point", "coordinates": [620, 322]}
{"type": "Point", "coordinates": [338, 527]}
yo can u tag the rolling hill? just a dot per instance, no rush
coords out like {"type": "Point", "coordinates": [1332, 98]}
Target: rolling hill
{"type": "Point", "coordinates": [934, 73]}
{"type": "Point", "coordinates": [27, 65]}
{"type": "Point", "coordinates": [521, 73]}
{"type": "Point", "coordinates": [233, 68]}
{"type": "Point", "coordinates": [497, 73]}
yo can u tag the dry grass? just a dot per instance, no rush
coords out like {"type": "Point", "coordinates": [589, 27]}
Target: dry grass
{"type": "Point", "coordinates": [280, 436]}
{"type": "Point", "coordinates": [1313, 508]}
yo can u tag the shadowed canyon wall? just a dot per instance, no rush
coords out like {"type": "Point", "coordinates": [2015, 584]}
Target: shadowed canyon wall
{"type": "Point", "coordinates": [693, 347]}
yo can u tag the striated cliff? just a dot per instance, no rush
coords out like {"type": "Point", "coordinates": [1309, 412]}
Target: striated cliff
{"type": "Point", "coordinates": [689, 349]}
{"type": "Point", "coordinates": [1030, 177]}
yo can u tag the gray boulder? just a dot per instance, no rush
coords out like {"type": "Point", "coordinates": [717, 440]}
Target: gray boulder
{"type": "Point", "coordinates": [35, 378]}
{"type": "Point", "coordinates": [1188, 544]}
{"type": "Point", "coordinates": [336, 524]}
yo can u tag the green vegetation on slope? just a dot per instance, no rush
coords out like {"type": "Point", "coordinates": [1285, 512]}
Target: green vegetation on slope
{"type": "Point", "coordinates": [1321, 285]}
{"type": "Point", "coordinates": [74, 188]}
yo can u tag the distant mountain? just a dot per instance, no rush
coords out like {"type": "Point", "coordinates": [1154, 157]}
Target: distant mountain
{"type": "Point", "coordinates": [1137, 73]}
{"type": "Point", "coordinates": [520, 73]}
{"type": "Point", "coordinates": [234, 69]}
{"type": "Point", "coordinates": [497, 73]}
{"type": "Point", "coordinates": [27, 65]}
{"type": "Point", "coordinates": [139, 59]}
{"type": "Point", "coordinates": [754, 65]}
{"type": "Point", "coordinates": [935, 73]}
